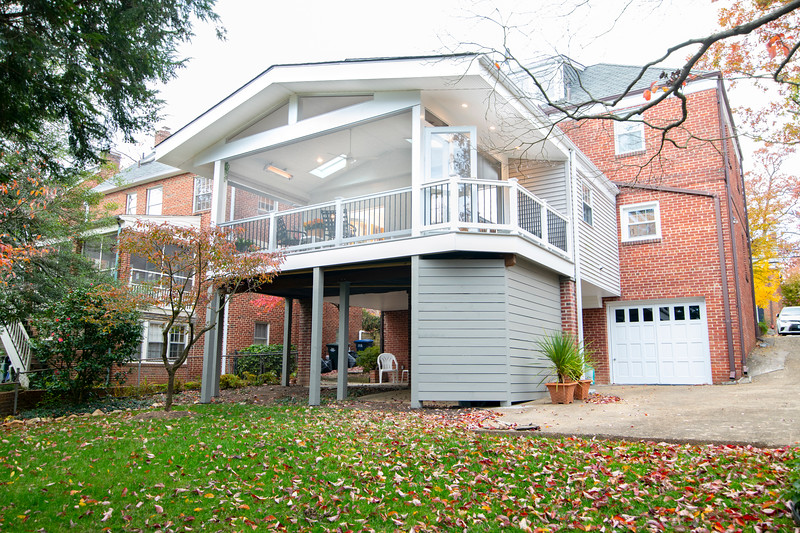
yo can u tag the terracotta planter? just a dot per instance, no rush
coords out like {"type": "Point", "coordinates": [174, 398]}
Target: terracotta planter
{"type": "Point", "coordinates": [561, 392]}
{"type": "Point", "coordinates": [582, 389]}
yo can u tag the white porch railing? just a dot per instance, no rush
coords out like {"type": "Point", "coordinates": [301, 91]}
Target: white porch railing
{"type": "Point", "coordinates": [456, 205]}
{"type": "Point", "coordinates": [18, 348]}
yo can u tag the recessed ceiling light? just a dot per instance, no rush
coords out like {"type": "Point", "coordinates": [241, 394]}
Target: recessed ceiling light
{"type": "Point", "coordinates": [320, 159]}
{"type": "Point", "coordinates": [464, 105]}
{"type": "Point", "coordinates": [492, 128]}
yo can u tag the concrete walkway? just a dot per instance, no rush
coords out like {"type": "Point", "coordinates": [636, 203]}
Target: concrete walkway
{"type": "Point", "coordinates": [762, 410]}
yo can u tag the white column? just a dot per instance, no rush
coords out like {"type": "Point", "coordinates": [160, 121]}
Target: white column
{"type": "Point", "coordinates": [219, 195]}
{"type": "Point", "coordinates": [315, 365]}
{"type": "Point", "coordinates": [513, 206]}
{"type": "Point", "coordinates": [344, 335]}
{"type": "Point", "coordinates": [288, 303]}
{"type": "Point", "coordinates": [417, 120]}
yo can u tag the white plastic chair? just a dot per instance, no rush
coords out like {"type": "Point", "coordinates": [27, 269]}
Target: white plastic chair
{"type": "Point", "coordinates": [386, 363]}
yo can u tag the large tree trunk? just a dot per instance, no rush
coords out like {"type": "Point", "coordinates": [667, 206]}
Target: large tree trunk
{"type": "Point", "coordinates": [170, 388]}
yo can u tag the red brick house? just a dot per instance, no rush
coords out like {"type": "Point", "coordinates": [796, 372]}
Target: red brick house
{"type": "Point", "coordinates": [149, 190]}
{"type": "Point", "coordinates": [686, 312]}
{"type": "Point", "coordinates": [406, 192]}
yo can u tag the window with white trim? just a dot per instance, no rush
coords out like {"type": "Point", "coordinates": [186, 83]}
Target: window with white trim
{"type": "Point", "coordinates": [153, 341]}
{"type": "Point", "coordinates": [261, 333]}
{"type": "Point", "coordinates": [202, 193]}
{"type": "Point", "coordinates": [155, 199]}
{"type": "Point", "coordinates": [265, 205]}
{"type": "Point", "coordinates": [640, 222]}
{"type": "Point", "coordinates": [146, 276]}
{"type": "Point", "coordinates": [628, 137]}
{"type": "Point", "coordinates": [130, 204]}
{"type": "Point", "coordinates": [587, 205]}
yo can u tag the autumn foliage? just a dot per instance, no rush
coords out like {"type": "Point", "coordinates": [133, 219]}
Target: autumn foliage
{"type": "Point", "coordinates": [191, 265]}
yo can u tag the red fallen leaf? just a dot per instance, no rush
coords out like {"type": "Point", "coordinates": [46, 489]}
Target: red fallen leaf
{"type": "Point", "coordinates": [159, 509]}
{"type": "Point", "coordinates": [124, 492]}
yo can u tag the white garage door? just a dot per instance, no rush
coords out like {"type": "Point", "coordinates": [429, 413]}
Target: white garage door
{"type": "Point", "coordinates": [662, 342]}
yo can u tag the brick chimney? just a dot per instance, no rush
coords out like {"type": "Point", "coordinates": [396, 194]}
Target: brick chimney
{"type": "Point", "coordinates": [161, 134]}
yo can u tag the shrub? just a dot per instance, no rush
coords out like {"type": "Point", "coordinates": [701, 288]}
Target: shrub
{"type": "Point", "coordinates": [83, 335]}
{"type": "Point", "coordinates": [368, 358]}
{"type": "Point", "coordinates": [763, 327]}
{"type": "Point", "coordinates": [231, 381]}
{"type": "Point", "coordinates": [192, 385]}
{"type": "Point", "coordinates": [264, 359]}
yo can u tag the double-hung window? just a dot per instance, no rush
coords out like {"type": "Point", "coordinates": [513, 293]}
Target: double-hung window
{"type": "Point", "coordinates": [202, 193]}
{"type": "Point", "coordinates": [261, 333]}
{"type": "Point", "coordinates": [101, 250]}
{"type": "Point", "coordinates": [130, 204]}
{"type": "Point", "coordinates": [628, 137]}
{"type": "Point", "coordinates": [640, 222]}
{"type": "Point", "coordinates": [155, 199]}
{"type": "Point", "coordinates": [587, 205]}
{"type": "Point", "coordinates": [153, 341]}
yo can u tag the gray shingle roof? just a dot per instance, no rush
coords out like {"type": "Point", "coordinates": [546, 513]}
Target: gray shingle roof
{"type": "Point", "coordinates": [147, 169]}
{"type": "Point", "coordinates": [604, 81]}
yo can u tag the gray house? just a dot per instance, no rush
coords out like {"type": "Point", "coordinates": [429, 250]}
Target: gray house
{"type": "Point", "coordinates": [425, 187]}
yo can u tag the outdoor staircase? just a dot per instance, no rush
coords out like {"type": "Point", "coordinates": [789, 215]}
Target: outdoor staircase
{"type": "Point", "coordinates": [17, 346]}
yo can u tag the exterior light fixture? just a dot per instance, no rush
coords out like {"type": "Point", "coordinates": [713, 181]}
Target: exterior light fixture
{"type": "Point", "coordinates": [279, 171]}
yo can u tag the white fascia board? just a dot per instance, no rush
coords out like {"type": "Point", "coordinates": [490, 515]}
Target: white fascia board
{"type": "Point", "coordinates": [180, 221]}
{"type": "Point", "coordinates": [590, 172]}
{"type": "Point", "coordinates": [280, 82]}
{"type": "Point", "coordinates": [636, 98]}
{"type": "Point", "coordinates": [430, 244]}
{"type": "Point", "coordinates": [383, 104]}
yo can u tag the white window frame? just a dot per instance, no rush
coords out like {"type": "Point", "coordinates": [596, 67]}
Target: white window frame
{"type": "Point", "coordinates": [153, 325]}
{"type": "Point", "coordinates": [151, 206]}
{"type": "Point", "coordinates": [624, 210]}
{"type": "Point", "coordinates": [628, 128]}
{"type": "Point", "coordinates": [110, 257]}
{"type": "Point", "coordinates": [203, 188]}
{"type": "Point", "coordinates": [257, 339]}
{"type": "Point", "coordinates": [130, 204]}
{"type": "Point", "coordinates": [586, 203]}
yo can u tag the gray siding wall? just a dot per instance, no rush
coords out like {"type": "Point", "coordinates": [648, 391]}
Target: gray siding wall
{"type": "Point", "coordinates": [547, 180]}
{"type": "Point", "coordinates": [461, 335]}
{"type": "Point", "coordinates": [598, 249]}
{"type": "Point", "coordinates": [534, 309]}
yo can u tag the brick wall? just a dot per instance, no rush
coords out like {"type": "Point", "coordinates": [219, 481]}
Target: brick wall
{"type": "Point", "coordinates": [684, 262]}
{"type": "Point", "coordinates": [397, 338]}
{"type": "Point", "coordinates": [569, 313]}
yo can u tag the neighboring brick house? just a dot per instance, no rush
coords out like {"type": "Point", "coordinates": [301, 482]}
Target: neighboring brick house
{"type": "Point", "coordinates": [149, 190]}
{"type": "Point", "coordinates": [684, 253]}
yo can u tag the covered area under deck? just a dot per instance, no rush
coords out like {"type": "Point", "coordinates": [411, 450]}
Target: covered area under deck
{"type": "Point", "coordinates": [382, 285]}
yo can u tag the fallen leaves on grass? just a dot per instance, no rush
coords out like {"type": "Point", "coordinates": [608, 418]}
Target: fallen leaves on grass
{"type": "Point", "coordinates": [235, 468]}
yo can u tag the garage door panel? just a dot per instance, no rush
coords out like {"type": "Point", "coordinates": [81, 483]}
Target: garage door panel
{"type": "Point", "coordinates": [663, 342]}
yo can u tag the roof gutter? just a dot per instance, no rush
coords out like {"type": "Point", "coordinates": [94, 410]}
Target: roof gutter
{"type": "Point", "coordinates": [722, 266]}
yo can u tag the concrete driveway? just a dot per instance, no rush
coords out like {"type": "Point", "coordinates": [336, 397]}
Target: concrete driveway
{"type": "Point", "coordinates": [762, 409]}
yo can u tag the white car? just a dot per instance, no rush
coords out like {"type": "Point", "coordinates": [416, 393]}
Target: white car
{"type": "Point", "coordinates": [788, 321]}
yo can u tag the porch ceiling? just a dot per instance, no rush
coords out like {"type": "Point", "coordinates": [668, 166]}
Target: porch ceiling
{"type": "Point", "coordinates": [372, 278]}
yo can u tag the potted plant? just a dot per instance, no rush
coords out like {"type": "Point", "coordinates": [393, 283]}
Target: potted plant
{"type": "Point", "coordinates": [563, 352]}
{"type": "Point", "coordinates": [314, 228]}
{"type": "Point", "coordinates": [587, 357]}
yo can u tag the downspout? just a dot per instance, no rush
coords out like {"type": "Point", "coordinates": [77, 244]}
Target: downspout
{"type": "Point", "coordinates": [746, 222]}
{"type": "Point", "coordinates": [116, 258]}
{"type": "Point", "coordinates": [575, 254]}
{"type": "Point", "coordinates": [722, 267]}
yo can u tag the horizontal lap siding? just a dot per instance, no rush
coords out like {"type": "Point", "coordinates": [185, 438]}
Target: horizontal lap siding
{"type": "Point", "coordinates": [598, 243]}
{"type": "Point", "coordinates": [461, 330]}
{"type": "Point", "coordinates": [547, 180]}
{"type": "Point", "coordinates": [534, 309]}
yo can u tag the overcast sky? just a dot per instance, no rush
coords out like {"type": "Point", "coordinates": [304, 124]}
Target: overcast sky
{"type": "Point", "coordinates": [263, 33]}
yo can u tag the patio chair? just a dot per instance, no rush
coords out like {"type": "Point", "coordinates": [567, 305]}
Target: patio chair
{"type": "Point", "coordinates": [286, 236]}
{"type": "Point", "coordinates": [329, 220]}
{"type": "Point", "coordinates": [386, 363]}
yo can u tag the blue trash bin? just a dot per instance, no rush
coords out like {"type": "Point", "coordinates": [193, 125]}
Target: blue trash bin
{"type": "Point", "coordinates": [363, 344]}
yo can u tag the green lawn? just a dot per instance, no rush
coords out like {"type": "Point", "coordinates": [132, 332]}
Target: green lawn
{"type": "Point", "coordinates": [237, 467]}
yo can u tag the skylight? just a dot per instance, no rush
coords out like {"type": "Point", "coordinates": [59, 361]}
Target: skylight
{"type": "Point", "coordinates": [334, 165]}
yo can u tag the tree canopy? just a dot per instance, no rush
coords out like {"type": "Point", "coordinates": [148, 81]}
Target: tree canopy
{"type": "Point", "coordinates": [87, 67]}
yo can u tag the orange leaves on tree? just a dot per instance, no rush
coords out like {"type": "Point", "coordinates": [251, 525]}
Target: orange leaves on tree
{"type": "Point", "coordinates": [775, 46]}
